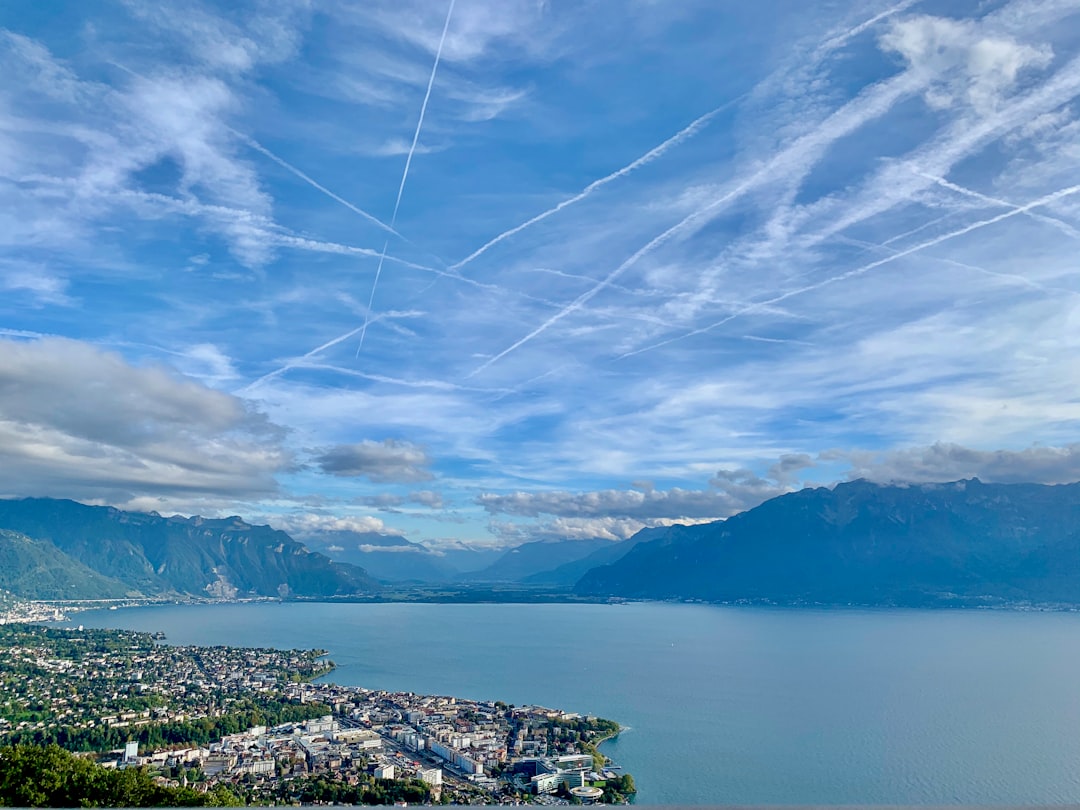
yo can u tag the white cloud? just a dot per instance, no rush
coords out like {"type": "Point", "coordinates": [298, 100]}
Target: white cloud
{"type": "Point", "coordinates": [963, 62]}
{"type": "Point", "coordinates": [268, 33]}
{"type": "Point", "coordinates": [598, 528]}
{"type": "Point", "coordinates": [207, 362]}
{"type": "Point", "coordinates": [36, 283]}
{"type": "Point", "coordinates": [304, 525]}
{"type": "Point", "coordinates": [399, 147]}
{"type": "Point", "coordinates": [169, 121]}
{"type": "Point", "coordinates": [478, 29]}
{"type": "Point", "coordinates": [368, 548]}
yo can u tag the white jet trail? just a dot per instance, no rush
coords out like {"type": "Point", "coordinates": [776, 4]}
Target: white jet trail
{"type": "Point", "coordinates": [298, 361]}
{"type": "Point", "coordinates": [842, 39]}
{"type": "Point", "coordinates": [852, 115]}
{"type": "Point", "coordinates": [858, 271]}
{"type": "Point", "coordinates": [686, 132]}
{"type": "Point", "coordinates": [405, 173]}
{"type": "Point", "coordinates": [918, 228]}
{"type": "Point", "coordinates": [868, 105]}
{"type": "Point", "coordinates": [258, 147]}
{"type": "Point", "coordinates": [1064, 227]}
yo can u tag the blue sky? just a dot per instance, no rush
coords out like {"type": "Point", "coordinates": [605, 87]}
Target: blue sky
{"type": "Point", "coordinates": [505, 270]}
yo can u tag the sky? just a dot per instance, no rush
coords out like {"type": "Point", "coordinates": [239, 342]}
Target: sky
{"type": "Point", "coordinates": [489, 271]}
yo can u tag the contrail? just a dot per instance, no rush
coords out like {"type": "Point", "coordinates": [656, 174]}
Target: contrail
{"type": "Point", "coordinates": [915, 230]}
{"type": "Point", "coordinates": [686, 132]}
{"type": "Point", "coordinates": [976, 195]}
{"type": "Point", "coordinates": [1013, 277]}
{"type": "Point", "coordinates": [296, 363]}
{"type": "Point", "coordinates": [858, 271]}
{"type": "Point", "coordinates": [318, 246]}
{"type": "Point", "coordinates": [867, 106]}
{"type": "Point", "coordinates": [841, 39]}
{"type": "Point", "coordinates": [258, 147]}
{"type": "Point", "coordinates": [405, 173]}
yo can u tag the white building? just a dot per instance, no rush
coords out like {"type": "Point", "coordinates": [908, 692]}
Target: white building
{"type": "Point", "coordinates": [431, 776]}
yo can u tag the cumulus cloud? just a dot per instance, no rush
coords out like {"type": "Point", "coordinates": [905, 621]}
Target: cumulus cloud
{"type": "Point", "coordinates": [966, 64]}
{"type": "Point", "coordinates": [77, 421]}
{"type": "Point", "coordinates": [949, 462]}
{"type": "Point", "coordinates": [369, 548]}
{"type": "Point", "coordinates": [382, 462]}
{"type": "Point", "coordinates": [305, 525]}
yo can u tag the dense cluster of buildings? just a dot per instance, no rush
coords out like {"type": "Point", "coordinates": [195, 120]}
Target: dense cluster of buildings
{"type": "Point", "coordinates": [485, 750]}
{"type": "Point", "coordinates": [122, 681]}
{"type": "Point", "coordinates": [499, 748]}
{"type": "Point", "coordinates": [14, 610]}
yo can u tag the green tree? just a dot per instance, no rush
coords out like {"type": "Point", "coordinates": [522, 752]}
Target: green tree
{"type": "Point", "coordinates": [48, 776]}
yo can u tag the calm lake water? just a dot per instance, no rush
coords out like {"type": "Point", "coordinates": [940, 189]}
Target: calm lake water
{"type": "Point", "coordinates": [728, 705]}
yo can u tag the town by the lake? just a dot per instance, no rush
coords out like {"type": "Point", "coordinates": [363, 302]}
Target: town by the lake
{"type": "Point", "coordinates": [257, 723]}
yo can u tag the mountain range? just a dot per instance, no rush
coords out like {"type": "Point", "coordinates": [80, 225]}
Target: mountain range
{"type": "Point", "coordinates": [964, 542]}
{"type": "Point", "coordinates": [958, 543]}
{"type": "Point", "coordinates": [100, 549]}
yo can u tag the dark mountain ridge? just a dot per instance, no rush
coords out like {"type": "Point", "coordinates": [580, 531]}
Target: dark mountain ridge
{"type": "Point", "coordinates": [154, 555]}
{"type": "Point", "coordinates": [864, 543]}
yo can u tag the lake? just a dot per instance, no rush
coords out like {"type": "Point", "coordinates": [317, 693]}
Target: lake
{"type": "Point", "coordinates": [723, 704]}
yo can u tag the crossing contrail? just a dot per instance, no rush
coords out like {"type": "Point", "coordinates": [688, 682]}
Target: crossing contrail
{"type": "Point", "coordinates": [258, 147]}
{"type": "Point", "coordinates": [870, 104]}
{"type": "Point", "coordinates": [688, 131]}
{"type": "Point", "coordinates": [289, 366]}
{"type": "Point", "coordinates": [858, 271]}
{"type": "Point", "coordinates": [967, 192]}
{"type": "Point", "coordinates": [405, 174]}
